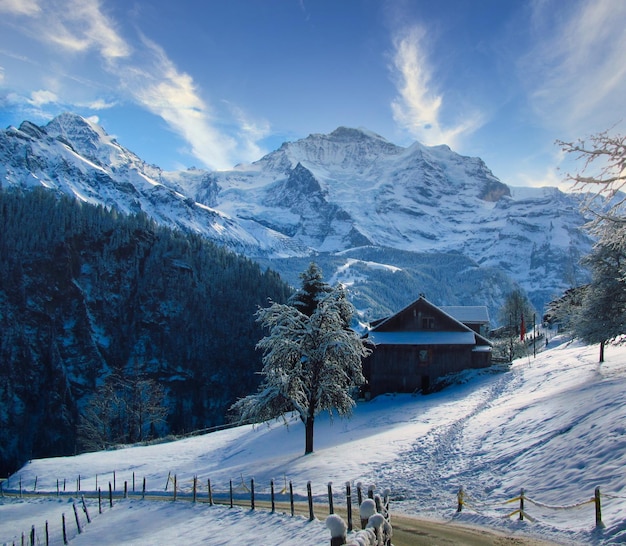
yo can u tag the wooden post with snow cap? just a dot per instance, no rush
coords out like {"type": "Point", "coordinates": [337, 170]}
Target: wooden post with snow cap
{"type": "Point", "coordinates": [337, 528]}
{"type": "Point", "coordinates": [370, 491]}
{"type": "Point", "coordinates": [359, 493]}
{"type": "Point", "coordinates": [366, 510]}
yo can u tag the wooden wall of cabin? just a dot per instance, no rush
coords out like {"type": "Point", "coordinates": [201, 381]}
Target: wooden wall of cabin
{"type": "Point", "coordinates": [408, 368]}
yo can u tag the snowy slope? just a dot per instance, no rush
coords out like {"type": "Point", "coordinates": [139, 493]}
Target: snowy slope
{"type": "Point", "coordinates": [553, 425]}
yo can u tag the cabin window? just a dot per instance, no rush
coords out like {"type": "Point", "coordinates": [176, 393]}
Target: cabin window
{"type": "Point", "coordinates": [428, 323]}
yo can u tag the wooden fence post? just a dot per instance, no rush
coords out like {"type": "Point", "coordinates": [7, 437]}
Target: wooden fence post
{"type": "Point", "coordinates": [47, 534]}
{"type": "Point", "coordinates": [133, 482]}
{"type": "Point", "coordinates": [459, 498]}
{"type": "Point", "coordinates": [35, 487]}
{"type": "Point", "coordinates": [169, 475]}
{"type": "Point", "coordinates": [64, 530]}
{"type": "Point", "coordinates": [85, 509]}
{"type": "Point", "coordinates": [76, 517]}
{"type": "Point", "coordinates": [310, 496]}
{"type": "Point", "coordinates": [58, 491]}
{"type": "Point", "coordinates": [231, 493]}
{"type": "Point", "coordinates": [272, 495]}
{"type": "Point", "coordinates": [349, 505]}
{"type": "Point", "coordinates": [208, 486]}
{"type": "Point", "coordinates": [175, 486]}
{"type": "Point", "coordinates": [598, 508]}
{"type": "Point", "coordinates": [114, 484]}
{"type": "Point", "coordinates": [521, 504]}
{"type": "Point", "coordinates": [370, 491]}
{"type": "Point", "coordinates": [359, 493]}
{"type": "Point", "coordinates": [99, 501]}
{"type": "Point", "coordinates": [251, 493]}
{"type": "Point", "coordinates": [96, 482]}
{"type": "Point", "coordinates": [125, 489]}
{"type": "Point", "coordinates": [291, 497]}
{"type": "Point", "coordinates": [110, 496]}
{"type": "Point", "coordinates": [78, 484]}
{"type": "Point", "coordinates": [195, 487]}
{"type": "Point", "coordinates": [143, 489]}
{"type": "Point", "coordinates": [32, 536]}
{"type": "Point", "coordinates": [331, 508]}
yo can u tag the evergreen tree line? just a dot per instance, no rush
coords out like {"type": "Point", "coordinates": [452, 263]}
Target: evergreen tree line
{"type": "Point", "coordinates": [87, 295]}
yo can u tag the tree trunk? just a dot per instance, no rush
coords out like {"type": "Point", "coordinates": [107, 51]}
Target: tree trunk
{"type": "Point", "coordinates": [308, 426]}
{"type": "Point", "coordinates": [601, 351]}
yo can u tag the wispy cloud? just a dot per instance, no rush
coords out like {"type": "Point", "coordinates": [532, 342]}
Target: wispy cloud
{"type": "Point", "coordinates": [577, 70]}
{"type": "Point", "coordinates": [419, 104]}
{"type": "Point", "coordinates": [161, 88]}
{"type": "Point", "coordinates": [142, 72]}
{"type": "Point", "coordinates": [19, 7]}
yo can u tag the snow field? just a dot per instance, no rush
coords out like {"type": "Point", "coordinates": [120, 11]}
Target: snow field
{"type": "Point", "coordinates": [552, 425]}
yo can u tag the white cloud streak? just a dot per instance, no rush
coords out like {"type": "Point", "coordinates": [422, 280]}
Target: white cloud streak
{"type": "Point", "coordinates": [143, 72]}
{"type": "Point", "coordinates": [577, 70]}
{"type": "Point", "coordinates": [172, 95]}
{"type": "Point", "coordinates": [419, 105]}
{"type": "Point", "coordinates": [19, 7]}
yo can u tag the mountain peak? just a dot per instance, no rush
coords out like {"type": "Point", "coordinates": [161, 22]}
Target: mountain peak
{"type": "Point", "coordinates": [350, 134]}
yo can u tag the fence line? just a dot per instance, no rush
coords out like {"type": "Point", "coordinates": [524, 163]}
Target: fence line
{"type": "Point", "coordinates": [522, 498]}
{"type": "Point", "coordinates": [188, 490]}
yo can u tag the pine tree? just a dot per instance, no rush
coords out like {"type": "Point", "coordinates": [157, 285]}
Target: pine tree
{"type": "Point", "coordinates": [312, 291]}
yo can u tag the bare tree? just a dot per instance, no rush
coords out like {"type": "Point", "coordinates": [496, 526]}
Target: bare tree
{"type": "Point", "coordinates": [603, 173]}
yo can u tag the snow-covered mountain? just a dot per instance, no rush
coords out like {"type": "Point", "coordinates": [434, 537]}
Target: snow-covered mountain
{"type": "Point", "coordinates": [344, 192]}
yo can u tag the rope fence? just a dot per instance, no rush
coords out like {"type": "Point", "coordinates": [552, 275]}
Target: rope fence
{"type": "Point", "coordinates": [465, 501]}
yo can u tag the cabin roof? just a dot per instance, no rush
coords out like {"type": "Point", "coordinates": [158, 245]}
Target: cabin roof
{"type": "Point", "coordinates": [467, 314]}
{"type": "Point", "coordinates": [422, 337]}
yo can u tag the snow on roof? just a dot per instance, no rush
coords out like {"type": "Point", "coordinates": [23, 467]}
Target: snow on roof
{"type": "Point", "coordinates": [423, 337]}
{"type": "Point", "coordinates": [467, 313]}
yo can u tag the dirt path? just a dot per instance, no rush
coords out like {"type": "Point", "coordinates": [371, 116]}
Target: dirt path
{"type": "Point", "coordinates": [409, 531]}
{"type": "Point", "coordinates": [412, 531]}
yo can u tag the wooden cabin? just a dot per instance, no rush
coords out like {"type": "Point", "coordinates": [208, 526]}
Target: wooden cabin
{"type": "Point", "coordinates": [423, 342]}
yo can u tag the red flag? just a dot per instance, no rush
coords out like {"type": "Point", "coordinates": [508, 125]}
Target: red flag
{"type": "Point", "coordinates": [522, 329]}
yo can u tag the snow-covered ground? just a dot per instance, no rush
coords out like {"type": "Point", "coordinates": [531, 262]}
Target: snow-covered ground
{"type": "Point", "coordinates": [554, 425]}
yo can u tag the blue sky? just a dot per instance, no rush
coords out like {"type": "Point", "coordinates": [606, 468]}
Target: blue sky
{"type": "Point", "coordinates": [210, 83]}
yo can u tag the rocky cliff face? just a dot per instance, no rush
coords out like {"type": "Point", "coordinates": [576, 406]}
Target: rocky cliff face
{"type": "Point", "coordinates": [322, 194]}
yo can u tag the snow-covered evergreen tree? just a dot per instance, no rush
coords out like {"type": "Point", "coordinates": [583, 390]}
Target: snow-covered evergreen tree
{"type": "Point", "coordinates": [602, 315]}
{"type": "Point", "coordinates": [313, 290]}
{"type": "Point", "coordinates": [310, 363]}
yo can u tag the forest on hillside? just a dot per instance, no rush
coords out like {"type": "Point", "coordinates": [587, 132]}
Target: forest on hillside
{"type": "Point", "coordinates": [87, 294]}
